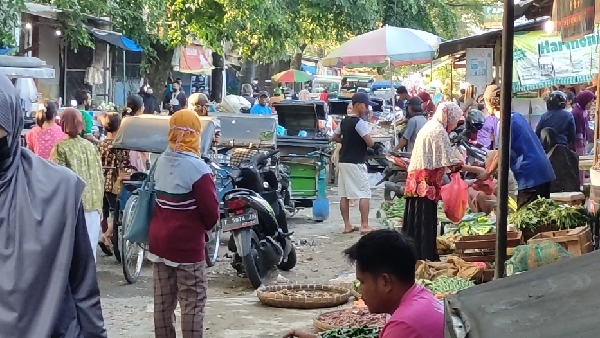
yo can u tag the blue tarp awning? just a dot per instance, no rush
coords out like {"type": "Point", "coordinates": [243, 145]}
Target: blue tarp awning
{"type": "Point", "coordinates": [310, 69]}
{"type": "Point", "coordinates": [115, 39]}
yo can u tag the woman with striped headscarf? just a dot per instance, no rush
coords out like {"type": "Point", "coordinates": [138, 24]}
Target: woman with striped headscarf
{"type": "Point", "coordinates": [186, 208]}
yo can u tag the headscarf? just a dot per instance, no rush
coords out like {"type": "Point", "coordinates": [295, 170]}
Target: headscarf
{"type": "Point", "coordinates": [448, 114]}
{"type": "Point", "coordinates": [428, 104]}
{"type": "Point", "coordinates": [580, 114]}
{"type": "Point", "coordinates": [584, 97]}
{"type": "Point", "coordinates": [549, 138]}
{"type": "Point", "coordinates": [39, 203]}
{"type": "Point", "coordinates": [304, 95]}
{"type": "Point", "coordinates": [184, 132]}
{"type": "Point", "coordinates": [565, 162]}
{"type": "Point", "coordinates": [432, 148]}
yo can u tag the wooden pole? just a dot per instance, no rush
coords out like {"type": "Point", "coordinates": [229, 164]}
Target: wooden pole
{"type": "Point", "coordinates": [508, 22]}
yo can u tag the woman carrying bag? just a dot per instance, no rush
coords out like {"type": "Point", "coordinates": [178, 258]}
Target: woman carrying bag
{"type": "Point", "coordinates": [185, 207]}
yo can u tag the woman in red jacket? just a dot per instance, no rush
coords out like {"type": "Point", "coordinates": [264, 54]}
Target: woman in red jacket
{"type": "Point", "coordinates": [186, 208]}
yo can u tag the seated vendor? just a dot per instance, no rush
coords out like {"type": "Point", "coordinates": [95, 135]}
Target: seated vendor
{"type": "Point", "coordinates": [481, 193]}
{"type": "Point", "coordinates": [385, 267]}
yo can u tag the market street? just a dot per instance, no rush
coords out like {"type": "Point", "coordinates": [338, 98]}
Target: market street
{"type": "Point", "coordinates": [232, 309]}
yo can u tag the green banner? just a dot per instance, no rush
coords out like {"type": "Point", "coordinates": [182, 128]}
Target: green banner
{"type": "Point", "coordinates": [542, 60]}
{"type": "Point", "coordinates": [492, 16]}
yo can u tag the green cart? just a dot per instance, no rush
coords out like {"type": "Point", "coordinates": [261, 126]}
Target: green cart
{"type": "Point", "coordinates": [303, 151]}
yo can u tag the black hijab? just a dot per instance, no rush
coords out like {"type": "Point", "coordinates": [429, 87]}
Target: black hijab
{"type": "Point", "coordinates": [564, 162]}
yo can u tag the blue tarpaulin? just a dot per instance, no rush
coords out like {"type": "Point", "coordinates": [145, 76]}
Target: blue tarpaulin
{"type": "Point", "coordinates": [310, 69]}
{"type": "Point", "coordinates": [115, 39]}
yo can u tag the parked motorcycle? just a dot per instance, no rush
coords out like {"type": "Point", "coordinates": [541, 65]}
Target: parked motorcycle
{"type": "Point", "coordinates": [255, 216]}
{"type": "Point", "coordinates": [394, 175]}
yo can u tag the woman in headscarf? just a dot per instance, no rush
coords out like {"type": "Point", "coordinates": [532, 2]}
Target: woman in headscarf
{"type": "Point", "coordinates": [428, 106]}
{"type": "Point", "coordinates": [186, 208]}
{"type": "Point", "coordinates": [83, 158]}
{"type": "Point", "coordinates": [304, 95]}
{"type": "Point", "coordinates": [432, 156]}
{"type": "Point", "coordinates": [584, 101]}
{"type": "Point", "coordinates": [565, 163]}
{"type": "Point", "coordinates": [46, 133]}
{"type": "Point", "coordinates": [135, 107]}
{"type": "Point", "coordinates": [49, 286]}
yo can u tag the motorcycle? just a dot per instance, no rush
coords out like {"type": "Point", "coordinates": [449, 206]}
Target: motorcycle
{"type": "Point", "coordinates": [394, 175]}
{"type": "Point", "coordinates": [254, 214]}
{"type": "Point", "coordinates": [284, 189]}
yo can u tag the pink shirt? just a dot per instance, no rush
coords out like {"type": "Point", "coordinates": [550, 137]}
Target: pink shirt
{"type": "Point", "coordinates": [41, 140]}
{"type": "Point", "coordinates": [420, 315]}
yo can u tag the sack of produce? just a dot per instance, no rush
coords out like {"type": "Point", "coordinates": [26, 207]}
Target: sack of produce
{"type": "Point", "coordinates": [531, 256]}
{"type": "Point", "coordinates": [455, 196]}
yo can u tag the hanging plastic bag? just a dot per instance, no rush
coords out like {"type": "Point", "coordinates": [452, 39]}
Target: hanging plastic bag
{"type": "Point", "coordinates": [455, 197]}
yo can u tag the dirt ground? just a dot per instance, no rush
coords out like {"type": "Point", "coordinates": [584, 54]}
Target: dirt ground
{"type": "Point", "coordinates": [233, 310]}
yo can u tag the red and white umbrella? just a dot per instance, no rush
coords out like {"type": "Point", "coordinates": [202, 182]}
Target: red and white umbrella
{"type": "Point", "coordinates": [385, 46]}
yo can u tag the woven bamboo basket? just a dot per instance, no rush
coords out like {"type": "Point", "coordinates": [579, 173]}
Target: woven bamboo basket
{"type": "Point", "coordinates": [268, 297]}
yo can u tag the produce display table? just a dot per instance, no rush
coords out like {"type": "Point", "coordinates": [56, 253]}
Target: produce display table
{"type": "Point", "coordinates": [570, 198]}
{"type": "Point", "coordinates": [586, 162]}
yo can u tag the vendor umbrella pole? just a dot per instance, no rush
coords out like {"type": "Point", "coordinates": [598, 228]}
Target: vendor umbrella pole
{"type": "Point", "coordinates": [505, 108]}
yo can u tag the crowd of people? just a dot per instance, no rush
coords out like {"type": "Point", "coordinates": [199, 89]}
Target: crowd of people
{"type": "Point", "coordinates": [79, 202]}
{"type": "Point", "coordinates": [79, 206]}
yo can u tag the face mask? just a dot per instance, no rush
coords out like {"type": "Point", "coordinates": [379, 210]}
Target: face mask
{"type": "Point", "coordinates": [4, 150]}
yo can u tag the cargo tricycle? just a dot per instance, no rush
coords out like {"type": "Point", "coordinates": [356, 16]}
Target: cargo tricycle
{"type": "Point", "coordinates": [304, 151]}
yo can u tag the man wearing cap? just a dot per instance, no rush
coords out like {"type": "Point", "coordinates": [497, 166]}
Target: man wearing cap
{"type": "Point", "coordinates": [528, 161]}
{"type": "Point", "coordinates": [262, 108]}
{"type": "Point", "coordinates": [353, 183]}
{"type": "Point", "coordinates": [198, 102]}
{"type": "Point", "coordinates": [416, 121]}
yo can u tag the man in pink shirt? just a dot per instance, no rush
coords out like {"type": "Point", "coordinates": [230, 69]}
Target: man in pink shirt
{"type": "Point", "coordinates": [385, 266]}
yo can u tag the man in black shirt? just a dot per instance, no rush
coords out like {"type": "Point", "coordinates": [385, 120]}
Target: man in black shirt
{"type": "Point", "coordinates": [401, 97]}
{"type": "Point", "coordinates": [353, 183]}
{"type": "Point", "coordinates": [176, 99]}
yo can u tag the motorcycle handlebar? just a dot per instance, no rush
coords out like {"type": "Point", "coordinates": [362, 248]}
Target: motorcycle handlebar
{"type": "Point", "coordinates": [261, 158]}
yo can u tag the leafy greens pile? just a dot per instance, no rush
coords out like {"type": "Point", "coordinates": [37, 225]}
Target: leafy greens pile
{"type": "Point", "coordinates": [548, 212]}
{"type": "Point", "coordinates": [352, 332]}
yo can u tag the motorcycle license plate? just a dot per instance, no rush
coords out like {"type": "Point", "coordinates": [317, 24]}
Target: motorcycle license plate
{"type": "Point", "coordinates": [247, 219]}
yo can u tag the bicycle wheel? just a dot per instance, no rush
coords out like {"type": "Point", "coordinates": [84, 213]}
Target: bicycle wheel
{"type": "Point", "coordinates": [213, 241]}
{"type": "Point", "coordinates": [132, 254]}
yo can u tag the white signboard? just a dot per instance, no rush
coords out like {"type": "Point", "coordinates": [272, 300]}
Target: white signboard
{"type": "Point", "coordinates": [480, 63]}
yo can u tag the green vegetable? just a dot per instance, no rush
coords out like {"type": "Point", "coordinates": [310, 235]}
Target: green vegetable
{"type": "Point", "coordinates": [352, 332]}
{"type": "Point", "coordinates": [548, 212]}
{"type": "Point", "coordinates": [475, 224]}
{"type": "Point", "coordinates": [396, 210]}
{"type": "Point", "coordinates": [444, 284]}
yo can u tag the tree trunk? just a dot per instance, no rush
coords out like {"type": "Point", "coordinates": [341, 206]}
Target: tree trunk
{"type": "Point", "coordinates": [248, 71]}
{"type": "Point", "coordinates": [297, 59]}
{"type": "Point", "coordinates": [160, 69]}
{"type": "Point", "coordinates": [217, 79]}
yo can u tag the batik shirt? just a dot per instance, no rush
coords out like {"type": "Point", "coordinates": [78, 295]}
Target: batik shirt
{"type": "Point", "coordinates": [83, 158]}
